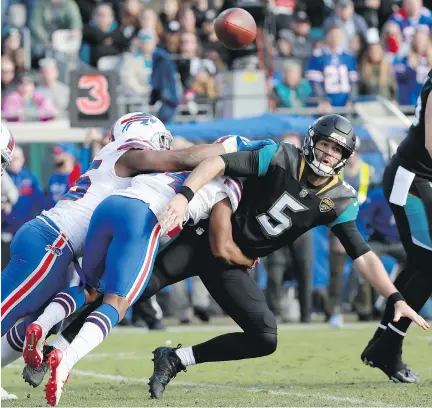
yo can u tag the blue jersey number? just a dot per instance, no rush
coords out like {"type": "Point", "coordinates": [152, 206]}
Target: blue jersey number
{"type": "Point", "coordinates": [79, 189]}
{"type": "Point", "coordinates": [178, 179]}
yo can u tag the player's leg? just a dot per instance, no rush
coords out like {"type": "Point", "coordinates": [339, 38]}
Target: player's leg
{"type": "Point", "coordinates": [71, 299]}
{"type": "Point", "coordinates": [39, 259]}
{"type": "Point", "coordinates": [129, 264]}
{"type": "Point", "coordinates": [414, 221]}
{"type": "Point", "coordinates": [240, 297]}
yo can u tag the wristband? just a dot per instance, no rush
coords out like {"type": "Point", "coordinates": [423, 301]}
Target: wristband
{"type": "Point", "coordinates": [395, 297]}
{"type": "Point", "coordinates": [186, 192]}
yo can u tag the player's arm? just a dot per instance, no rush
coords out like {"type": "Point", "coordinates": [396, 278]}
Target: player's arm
{"type": "Point", "coordinates": [222, 244]}
{"type": "Point", "coordinates": [241, 164]}
{"type": "Point", "coordinates": [369, 265]}
{"type": "Point", "coordinates": [428, 124]}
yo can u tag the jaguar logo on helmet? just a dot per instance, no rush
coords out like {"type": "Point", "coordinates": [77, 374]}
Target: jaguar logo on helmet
{"type": "Point", "coordinates": [335, 128]}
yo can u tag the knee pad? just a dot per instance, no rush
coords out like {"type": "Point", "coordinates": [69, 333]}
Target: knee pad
{"type": "Point", "coordinates": [268, 343]}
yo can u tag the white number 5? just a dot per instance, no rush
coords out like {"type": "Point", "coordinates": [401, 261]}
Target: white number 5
{"type": "Point", "coordinates": [276, 214]}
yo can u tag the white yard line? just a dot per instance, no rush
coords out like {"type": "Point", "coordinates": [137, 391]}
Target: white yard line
{"type": "Point", "coordinates": [206, 386]}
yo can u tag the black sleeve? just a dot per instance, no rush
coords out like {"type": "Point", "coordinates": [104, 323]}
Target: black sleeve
{"type": "Point", "coordinates": [351, 239]}
{"type": "Point", "coordinates": [241, 164]}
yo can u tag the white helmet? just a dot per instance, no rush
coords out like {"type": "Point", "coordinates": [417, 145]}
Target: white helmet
{"type": "Point", "coordinates": [7, 147]}
{"type": "Point", "coordinates": [142, 126]}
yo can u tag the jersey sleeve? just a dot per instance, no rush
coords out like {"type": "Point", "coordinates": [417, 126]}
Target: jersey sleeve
{"type": "Point", "coordinates": [136, 144]}
{"type": "Point", "coordinates": [249, 163]}
{"type": "Point", "coordinates": [234, 190]}
{"type": "Point", "coordinates": [349, 214]}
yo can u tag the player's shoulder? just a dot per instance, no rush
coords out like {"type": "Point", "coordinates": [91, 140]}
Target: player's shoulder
{"type": "Point", "coordinates": [341, 196]}
{"type": "Point", "coordinates": [287, 156]}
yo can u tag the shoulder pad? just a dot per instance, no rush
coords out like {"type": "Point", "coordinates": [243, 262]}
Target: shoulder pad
{"type": "Point", "coordinates": [287, 157]}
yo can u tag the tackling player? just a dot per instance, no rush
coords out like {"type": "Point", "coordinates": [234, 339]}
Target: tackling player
{"type": "Point", "coordinates": [407, 186]}
{"type": "Point", "coordinates": [121, 244]}
{"type": "Point", "coordinates": [43, 248]}
{"type": "Point", "coordinates": [287, 193]}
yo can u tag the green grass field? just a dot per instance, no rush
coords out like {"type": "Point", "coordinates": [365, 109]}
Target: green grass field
{"type": "Point", "coordinates": [313, 366]}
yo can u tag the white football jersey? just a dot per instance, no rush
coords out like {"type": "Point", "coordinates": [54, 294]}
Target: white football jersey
{"type": "Point", "coordinates": [157, 189]}
{"type": "Point", "coordinates": [73, 212]}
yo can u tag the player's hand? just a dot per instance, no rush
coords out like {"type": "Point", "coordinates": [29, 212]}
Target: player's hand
{"type": "Point", "coordinates": [173, 214]}
{"type": "Point", "coordinates": [247, 145]}
{"type": "Point", "coordinates": [403, 310]}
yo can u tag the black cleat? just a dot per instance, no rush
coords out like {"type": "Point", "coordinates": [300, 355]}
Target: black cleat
{"type": "Point", "coordinates": [392, 366]}
{"type": "Point", "coordinates": [34, 376]}
{"type": "Point", "coordinates": [166, 366]}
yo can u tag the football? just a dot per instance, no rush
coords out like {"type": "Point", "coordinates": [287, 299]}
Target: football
{"type": "Point", "coordinates": [235, 28]}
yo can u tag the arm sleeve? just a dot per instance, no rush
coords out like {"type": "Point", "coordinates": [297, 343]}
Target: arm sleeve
{"type": "Point", "coordinates": [351, 239]}
{"type": "Point", "coordinates": [249, 163]}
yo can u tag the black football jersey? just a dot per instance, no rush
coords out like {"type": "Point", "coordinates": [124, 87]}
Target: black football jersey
{"type": "Point", "coordinates": [412, 150]}
{"type": "Point", "coordinates": [278, 203]}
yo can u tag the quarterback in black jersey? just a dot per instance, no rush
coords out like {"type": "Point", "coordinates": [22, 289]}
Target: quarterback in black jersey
{"type": "Point", "coordinates": [287, 191]}
{"type": "Point", "coordinates": [407, 185]}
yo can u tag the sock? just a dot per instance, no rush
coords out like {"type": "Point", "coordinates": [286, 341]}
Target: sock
{"type": "Point", "coordinates": [16, 335]}
{"type": "Point", "coordinates": [379, 331]}
{"type": "Point", "coordinates": [186, 355]}
{"type": "Point", "coordinates": [62, 306]}
{"type": "Point", "coordinates": [96, 327]}
{"type": "Point", "coordinates": [60, 343]}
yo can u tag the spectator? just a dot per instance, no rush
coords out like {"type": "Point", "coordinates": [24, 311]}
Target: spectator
{"type": "Point", "coordinates": [66, 174]}
{"type": "Point", "coordinates": [189, 62]}
{"type": "Point", "coordinates": [202, 10]}
{"type": "Point", "coordinates": [51, 15]}
{"type": "Point", "coordinates": [392, 40]}
{"type": "Point", "coordinates": [376, 73]}
{"type": "Point", "coordinates": [203, 88]}
{"type": "Point", "coordinates": [7, 75]}
{"type": "Point", "coordinates": [293, 91]}
{"type": "Point", "coordinates": [163, 83]}
{"type": "Point", "coordinates": [102, 36]}
{"type": "Point", "coordinates": [51, 87]}
{"type": "Point", "coordinates": [169, 13]}
{"type": "Point", "coordinates": [129, 22]}
{"type": "Point", "coordinates": [31, 197]}
{"type": "Point", "coordinates": [356, 47]}
{"type": "Point", "coordinates": [187, 20]}
{"type": "Point", "coordinates": [149, 20]}
{"type": "Point", "coordinates": [87, 8]}
{"type": "Point", "coordinates": [171, 38]}
{"type": "Point", "coordinates": [377, 221]}
{"type": "Point", "coordinates": [137, 66]}
{"type": "Point", "coordinates": [284, 45]}
{"type": "Point", "coordinates": [27, 104]}
{"type": "Point", "coordinates": [350, 22]}
{"type": "Point", "coordinates": [410, 16]}
{"type": "Point", "coordinates": [11, 47]}
{"type": "Point", "coordinates": [368, 9]}
{"type": "Point", "coordinates": [332, 72]}
{"type": "Point", "coordinates": [302, 43]}
{"type": "Point", "coordinates": [209, 39]}
{"type": "Point", "coordinates": [411, 70]}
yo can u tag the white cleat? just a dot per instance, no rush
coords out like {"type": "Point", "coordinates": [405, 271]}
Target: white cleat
{"type": "Point", "coordinates": [58, 377]}
{"type": "Point", "coordinates": [33, 345]}
{"type": "Point", "coordinates": [7, 395]}
{"type": "Point", "coordinates": [336, 320]}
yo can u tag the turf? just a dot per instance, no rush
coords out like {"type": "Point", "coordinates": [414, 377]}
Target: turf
{"type": "Point", "coordinates": [313, 366]}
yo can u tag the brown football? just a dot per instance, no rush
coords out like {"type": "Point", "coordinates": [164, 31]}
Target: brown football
{"type": "Point", "coordinates": [235, 28]}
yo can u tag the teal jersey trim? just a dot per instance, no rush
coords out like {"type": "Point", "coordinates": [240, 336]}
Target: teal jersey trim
{"type": "Point", "coordinates": [265, 157]}
{"type": "Point", "coordinates": [350, 214]}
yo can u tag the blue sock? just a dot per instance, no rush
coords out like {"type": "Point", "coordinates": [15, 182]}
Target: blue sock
{"type": "Point", "coordinates": [71, 299]}
{"type": "Point", "coordinates": [105, 317]}
{"type": "Point", "coordinates": [16, 335]}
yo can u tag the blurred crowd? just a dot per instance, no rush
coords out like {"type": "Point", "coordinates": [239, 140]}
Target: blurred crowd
{"type": "Point", "coordinates": [314, 52]}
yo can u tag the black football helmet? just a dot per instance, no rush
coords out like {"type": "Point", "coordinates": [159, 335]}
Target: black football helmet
{"type": "Point", "coordinates": [335, 128]}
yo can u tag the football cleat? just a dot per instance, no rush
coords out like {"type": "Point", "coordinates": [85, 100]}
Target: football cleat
{"type": "Point", "coordinates": [33, 345]}
{"type": "Point", "coordinates": [7, 395]}
{"type": "Point", "coordinates": [58, 377]}
{"type": "Point", "coordinates": [166, 366]}
{"type": "Point", "coordinates": [34, 376]}
{"type": "Point", "coordinates": [392, 366]}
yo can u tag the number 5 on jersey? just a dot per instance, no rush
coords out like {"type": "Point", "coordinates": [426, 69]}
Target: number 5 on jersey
{"type": "Point", "coordinates": [276, 221]}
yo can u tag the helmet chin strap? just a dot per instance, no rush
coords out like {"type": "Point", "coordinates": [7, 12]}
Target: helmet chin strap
{"type": "Point", "coordinates": [321, 169]}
